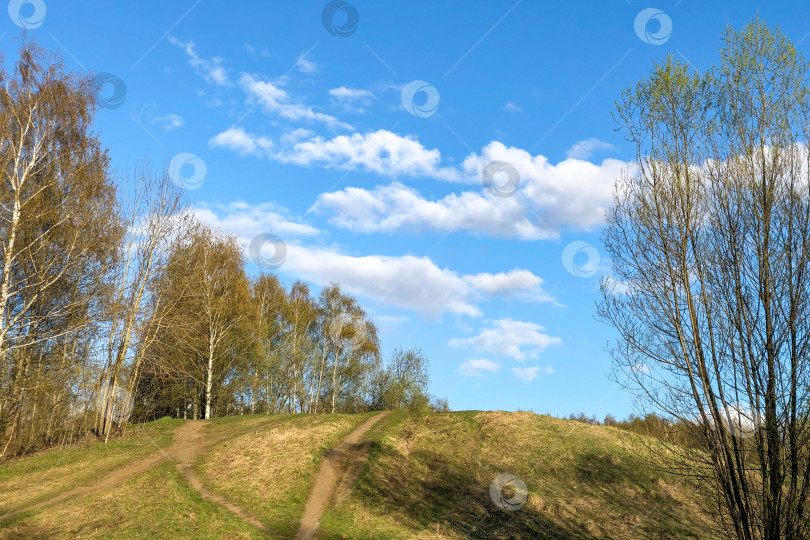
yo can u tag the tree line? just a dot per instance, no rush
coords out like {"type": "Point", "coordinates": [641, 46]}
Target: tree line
{"type": "Point", "coordinates": [117, 305]}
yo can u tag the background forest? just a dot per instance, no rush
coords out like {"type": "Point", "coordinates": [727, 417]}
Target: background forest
{"type": "Point", "coordinates": [117, 305]}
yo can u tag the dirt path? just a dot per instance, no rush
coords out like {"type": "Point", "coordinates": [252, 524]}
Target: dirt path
{"type": "Point", "coordinates": [347, 451]}
{"type": "Point", "coordinates": [189, 442]}
{"type": "Point", "coordinates": [187, 447]}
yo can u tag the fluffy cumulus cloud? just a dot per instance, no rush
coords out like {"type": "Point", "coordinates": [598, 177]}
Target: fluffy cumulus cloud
{"type": "Point", "coordinates": [241, 142]}
{"type": "Point", "coordinates": [571, 194]}
{"type": "Point", "coordinates": [381, 152]}
{"type": "Point", "coordinates": [475, 367]}
{"type": "Point", "coordinates": [529, 374]}
{"type": "Point", "coordinates": [550, 198]}
{"type": "Point", "coordinates": [276, 100]}
{"type": "Point", "coordinates": [396, 207]}
{"type": "Point", "coordinates": [211, 69]}
{"type": "Point", "coordinates": [508, 337]}
{"type": "Point", "coordinates": [409, 282]}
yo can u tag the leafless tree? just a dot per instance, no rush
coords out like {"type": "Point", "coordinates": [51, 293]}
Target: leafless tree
{"type": "Point", "coordinates": [710, 243]}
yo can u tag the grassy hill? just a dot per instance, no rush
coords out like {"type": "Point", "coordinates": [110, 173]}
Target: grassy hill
{"type": "Point", "coordinates": [427, 476]}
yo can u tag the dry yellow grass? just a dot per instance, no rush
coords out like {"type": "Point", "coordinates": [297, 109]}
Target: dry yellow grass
{"type": "Point", "coordinates": [269, 471]}
{"type": "Point", "coordinates": [429, 477]}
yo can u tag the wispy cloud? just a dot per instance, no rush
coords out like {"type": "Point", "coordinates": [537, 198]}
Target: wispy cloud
{"type": "Point", "coordinates": [529, 374]}
{"type": "Point", "coordinates": [169, 121]}
{"type": "Point", "coordinates": [350, 94]}
{"type": "Point", "coordinates": [586, 148]}
{"type": "Point", "coordinates": [211, 69]}
{"type": "Point", "coordinates": [276, 100]}
{"type": "Point", "coordinates": [476, 367]}
{"type": "Point", "coordinates": [306, 64]}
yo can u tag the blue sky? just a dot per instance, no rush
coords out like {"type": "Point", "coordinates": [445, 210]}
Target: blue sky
{"type": "Point", "coordinates": [308, 132]}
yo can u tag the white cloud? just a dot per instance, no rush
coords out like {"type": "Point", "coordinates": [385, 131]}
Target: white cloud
{"type": "Point", "coordinates": [507, 337]}
{"type": "Point", "coordinates": [351, 99]}
{"type": "Point", "coordinates": [585, 149]}
{"type": "Point", "coordinates": [550, 198]}
{"type": "Point", "coordinates": [350, 94]}
{"type": "Point", "coordinates": [381, 152]}
{"type": "Point", "coordinates": [291, 137]}
{"type": "Point", "coordinates": [170, 121]}
{"type": "Point", "coordinates": [276, 100]}
{"type": "Point", "coordinates": [475, 367]}
{"type": "Point", "coordinates": [409, 282]}
{"type": "Point", "coordinates": [253, 50]}
{"type": "Point", "coordinates": [396, 207]}
{"type": "Point", "coordinates": [573, 194]}
{"type": "Point", "coordinates": [306, 65]}
{"type": "Point", "coordinates": [529, 374]}
{"type": "Point", "coordinates": [406, 281]}
{"type": "Point", "coordinates": [211, 70]}
{"type": "Point", "coordinates": [246, 220]}
{"type": "Point", "coordinates": [512, 107]}
{"type": "Point", "coordinates": [515, 283]}
{"type": "Point", "coordinates": [241, 142]}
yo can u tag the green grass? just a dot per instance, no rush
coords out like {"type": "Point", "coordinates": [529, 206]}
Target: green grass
{"type": "Point", "coordinates": [155, 504]}
{"type": "Point", "coordinates": [429, 476]}
{"type": "Point", "coordinates": [37, 478]}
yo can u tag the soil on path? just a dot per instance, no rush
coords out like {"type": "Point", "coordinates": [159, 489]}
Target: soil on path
{"type": "Point", "coordinates": [347, 454]}
{"type": "Point", "coordinates": [189, 442]}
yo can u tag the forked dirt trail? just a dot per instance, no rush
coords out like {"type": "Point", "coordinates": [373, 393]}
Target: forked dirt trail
{"type": "Point", "coordinates": [189, 442]}
{"type": "Point", "coordinates": [188, 446]}
{"type": "Point", "coordinates": [346, 452]}
{"type": "Point", "coordinates": [122, 474]}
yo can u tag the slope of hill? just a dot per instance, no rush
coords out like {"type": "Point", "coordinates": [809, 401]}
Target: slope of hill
{"type": "Point", "coordinates": [430, 477]}
{"type": "Point", "coordinates": [427, 476]}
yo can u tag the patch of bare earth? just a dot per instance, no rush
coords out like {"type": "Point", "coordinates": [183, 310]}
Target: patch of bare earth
{"type": "Point", "coordinates": [348, 454]}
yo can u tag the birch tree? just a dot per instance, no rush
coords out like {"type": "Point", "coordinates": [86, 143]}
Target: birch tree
{"type": "Point", "coordinates": [58, 227]}
{"type": "Point", "coordinates": [154, 218]}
